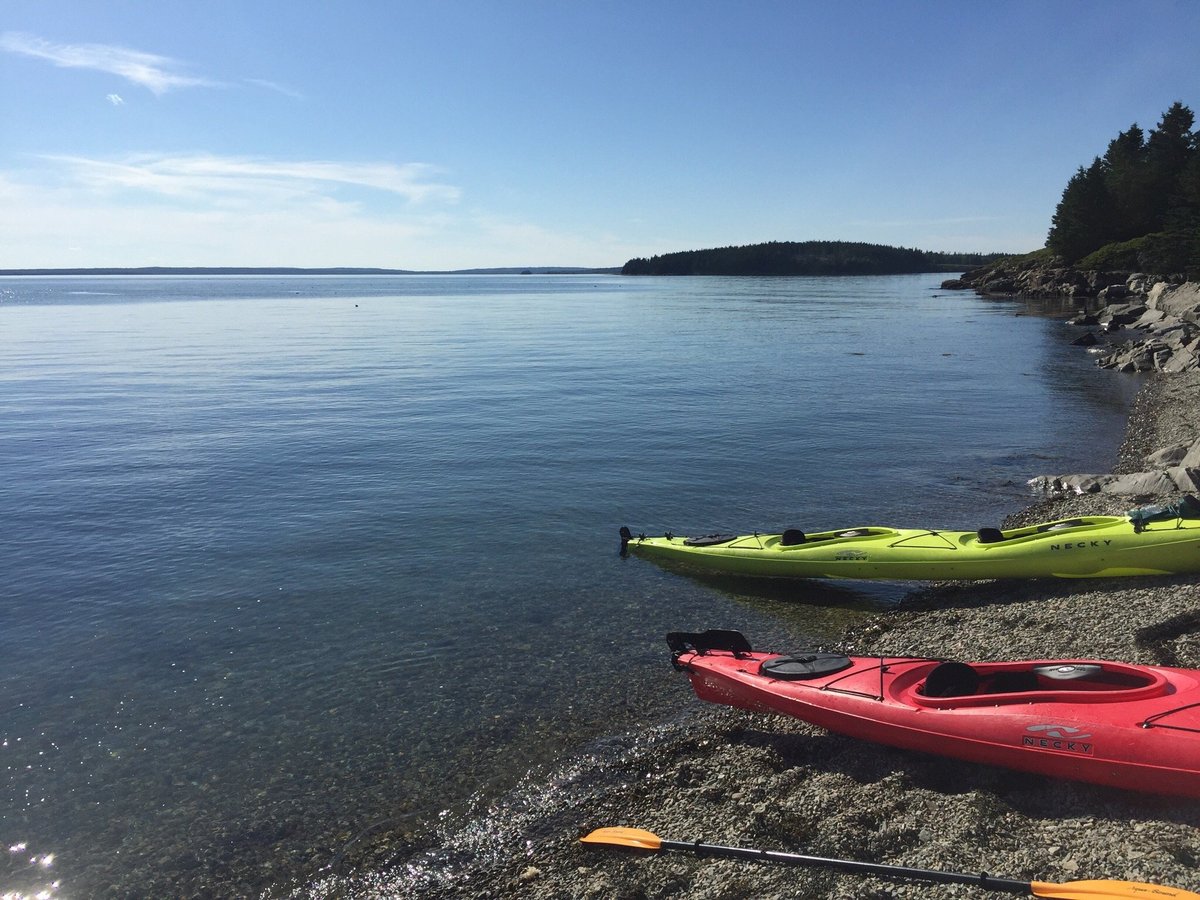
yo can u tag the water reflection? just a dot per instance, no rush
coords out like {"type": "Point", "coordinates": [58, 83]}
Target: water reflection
{"type": "Point", "coordinates": [25, 874]}
{"type": "Point", "coordinates": [849, 594]}
{"type": "Point", "coordinates": [287, 559]}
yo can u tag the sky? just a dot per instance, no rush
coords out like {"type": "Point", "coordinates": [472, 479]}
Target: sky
{"type": "Point", "coordinates": [425, 135]}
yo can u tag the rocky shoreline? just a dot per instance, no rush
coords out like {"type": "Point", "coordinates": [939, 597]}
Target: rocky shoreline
{"type": "Point", "coordinates": [729, 777]}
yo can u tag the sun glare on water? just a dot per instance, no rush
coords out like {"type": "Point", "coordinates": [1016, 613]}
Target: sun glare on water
{"type": "Point", "coordinates": [36, 862]}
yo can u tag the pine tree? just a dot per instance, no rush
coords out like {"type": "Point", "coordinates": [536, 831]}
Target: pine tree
{"type": "Point", "coordinates": [1126, 179]}
{"type": "Point", "coordinates": [1084, 218]}
{"type": "Point", "coordinates": [1169, 148]}
{"type": "Point", "coordinates": [1145, 190]}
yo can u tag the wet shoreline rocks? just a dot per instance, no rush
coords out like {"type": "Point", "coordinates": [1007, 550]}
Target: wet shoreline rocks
{"type": "Point", "coordinates": [1144, 323]}
{"type": "Point", "coordinates": [1161, 332]}
{"type": "Point", "coordinates": [1175, 467]}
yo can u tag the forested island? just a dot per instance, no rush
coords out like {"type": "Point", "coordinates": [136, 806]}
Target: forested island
{"type": "Point", "coordinates": [807, 258]}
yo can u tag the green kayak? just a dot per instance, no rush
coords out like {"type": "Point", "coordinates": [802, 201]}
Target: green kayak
{"type": "Point", "coordinates": [1158, 540]}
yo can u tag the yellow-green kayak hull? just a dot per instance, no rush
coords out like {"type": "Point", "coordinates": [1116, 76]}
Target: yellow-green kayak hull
{"type": "Point", "coordinates": [1088, 547]}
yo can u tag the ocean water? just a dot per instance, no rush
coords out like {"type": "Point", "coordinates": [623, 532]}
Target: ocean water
{"type": "Point", "coordinates": [295, 564]}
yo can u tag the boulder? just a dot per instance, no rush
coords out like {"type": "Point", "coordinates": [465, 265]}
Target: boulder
{"type": "Point", "coordinates": [1137, 283]}
{"type": "Point", "coordinates": [1191, 459]}
{"type": "Point", "coordinates": [1179, 300]}
{"type": "Point", "coordinates": [1181, 361]}
{"type": "Point", "coordinates": [1171, 331]}
{"type": "Point", "coordinates": [1054, 485]}
{"type": "Point", "coordinates": [1137, 358]}
{"type": "Point", "coordinates": [999, 286]}
{"type": "Point", "coordinates": [1169, 354]}
{"type": "Point", "coordinates": [1149, 317]}
{"type": "Point", "coordinates": [1187, 478]}
{"type": "Point", "coordinates": [1162, 481]}
{"type": "Point", "coordinates": [1100, 280]}
{"type": "Point", "coordinates": [1166, 457]}
{"type": "Point", "coordinates": [1122, 313]}
{"type": "Point", "coordinates": [1169, 469]}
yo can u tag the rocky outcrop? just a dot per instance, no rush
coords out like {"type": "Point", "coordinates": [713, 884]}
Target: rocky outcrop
{"type": "Point", "coordinates": [1164, 324]}
{"type": "Point", "coordinates": [1167, 471]}
{"type": "Point", "coordinates": [1052, 277]}
{"type": "Point", "coordinates": [1158, 316]}
{"type": "Point", "coordinates": [1147, 323]}
{"type": "Point", "coordinates": [1164, 329]}
{"type": "Point", "coordinates": [1162, 481]}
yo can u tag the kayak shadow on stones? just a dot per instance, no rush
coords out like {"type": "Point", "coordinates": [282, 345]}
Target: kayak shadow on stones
{"type": "Point", "coordinates": [816, 754]}
{"type": "Point", "coordinates": [934, 596]}
{"type": "Point", "coordinates": [874, 596]}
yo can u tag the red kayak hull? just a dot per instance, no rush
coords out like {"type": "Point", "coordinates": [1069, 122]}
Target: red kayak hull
{"type": "Point", "coordinates": [1125, 726]}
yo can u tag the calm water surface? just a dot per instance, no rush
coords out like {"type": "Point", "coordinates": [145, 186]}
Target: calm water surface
{"type": "Point", "coordinates": [291, 561]}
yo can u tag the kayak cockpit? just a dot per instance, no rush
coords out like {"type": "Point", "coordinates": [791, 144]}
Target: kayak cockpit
{"type": "Point", "coordinates": [955, 684]}
{"type": "Point", "coordinates": [1045, 530]}
{"type": "Point", "coordinates": [794, 537]}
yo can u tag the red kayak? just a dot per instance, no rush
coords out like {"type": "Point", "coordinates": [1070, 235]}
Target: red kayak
{"type": "Point", "coordinates": [1127, 726]}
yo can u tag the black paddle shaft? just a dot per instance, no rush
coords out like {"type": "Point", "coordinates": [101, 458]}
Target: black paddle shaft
{"type": "Point", "coordinates": [985, 881]}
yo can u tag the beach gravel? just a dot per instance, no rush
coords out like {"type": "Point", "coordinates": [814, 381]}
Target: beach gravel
{"type": "Point", "coordinates": [730, 777]}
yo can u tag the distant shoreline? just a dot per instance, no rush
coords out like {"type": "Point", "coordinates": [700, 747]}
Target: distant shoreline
{"type": "Point", "coordinates": [286, 270]}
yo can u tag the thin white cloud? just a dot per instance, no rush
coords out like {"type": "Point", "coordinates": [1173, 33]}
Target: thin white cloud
{"type": "Point", "coordinates": [274, 86]}
{"type": "Point", "coordinates": [157, 74]}
{"type": "Point", "coordinates": [59, 221]}
{"type": "Point", "coordinates": [222, 179]}
{"type": "Point", "coordinates": [64, 226]}
{"type": "Point", "coordinates": [115, 99]}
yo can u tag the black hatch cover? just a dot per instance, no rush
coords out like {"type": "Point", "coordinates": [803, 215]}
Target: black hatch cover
{"type": "Point", "coordinates": [802, 666]}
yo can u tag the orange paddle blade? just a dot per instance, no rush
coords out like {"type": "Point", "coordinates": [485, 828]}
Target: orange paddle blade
{"type": "Point", "coordinates": [1097, 890]}
{"type": "Point", "coordinates": [624, 837]}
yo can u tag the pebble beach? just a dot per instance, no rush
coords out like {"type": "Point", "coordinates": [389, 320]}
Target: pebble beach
{"type": "Point", "coordinates": [728, 777]}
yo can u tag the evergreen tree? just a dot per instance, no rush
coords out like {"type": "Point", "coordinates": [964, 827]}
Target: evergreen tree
{"type": "Point", "coordinates": [1180, 240]}
{"type": "Point", "coordinates": [1125, 177]}
{"type": "Point", "coordinates": [1168, 150]}
{"type": "Point", "coordinates": [1084, 219]}
{"type": "Point", "coordinates": [1143, 194]}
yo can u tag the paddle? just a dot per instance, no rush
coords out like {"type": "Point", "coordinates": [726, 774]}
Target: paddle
{"type": "Point", "coordinates": [636, 839]}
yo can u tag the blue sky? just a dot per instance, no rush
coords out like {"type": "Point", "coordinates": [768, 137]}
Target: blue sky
{"type": "Point", "coordinates": [443, 135]}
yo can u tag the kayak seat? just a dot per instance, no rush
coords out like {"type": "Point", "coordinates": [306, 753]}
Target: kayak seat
{"type": "Point", "coordinates": [709, 540]}
{"type": "Point", "coordinates": [990, 535]}
{"type": "Point", "coordinates": [1012, 682]}
{"type": "Point", "coordinates": [1059, 526]}
{"type": "Point", "coordinates": [792, 538]}
{"type": "Point", "coordinates": [951, 679]}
